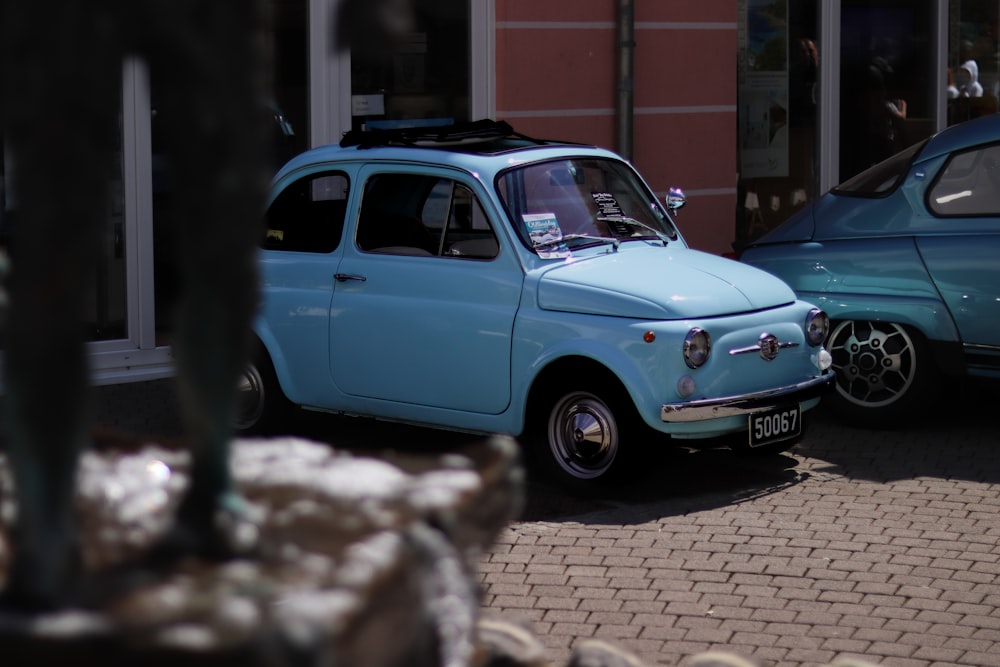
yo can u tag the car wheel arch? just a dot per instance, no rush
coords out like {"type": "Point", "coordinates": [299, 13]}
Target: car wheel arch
{"type": "Point", "coordinates": [580, 388]}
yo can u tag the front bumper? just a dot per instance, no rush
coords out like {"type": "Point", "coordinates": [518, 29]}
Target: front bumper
{"type": "Point", "coordinates": [733, 406]}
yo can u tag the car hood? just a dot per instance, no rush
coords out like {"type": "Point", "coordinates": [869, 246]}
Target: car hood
{"type": "Point", "coordinates": [652, 282]}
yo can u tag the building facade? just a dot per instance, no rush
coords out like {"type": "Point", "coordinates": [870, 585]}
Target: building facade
{"type": "Point", "coordinates": [753, 107]}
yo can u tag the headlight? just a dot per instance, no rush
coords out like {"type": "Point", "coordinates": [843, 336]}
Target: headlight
{"type": "Point", "coordinates": [697, 347]}
{"type": "Point", "coordinates": [817, 327]}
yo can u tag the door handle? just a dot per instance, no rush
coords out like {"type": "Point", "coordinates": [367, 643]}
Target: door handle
{"type": "Point", "coordinates": [344, 277]}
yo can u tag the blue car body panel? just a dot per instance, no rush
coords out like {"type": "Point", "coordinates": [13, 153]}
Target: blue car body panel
{"type": "Point", "coordinates": [891, 258]}
{"type": "Point", "coordinates": [460, 343]}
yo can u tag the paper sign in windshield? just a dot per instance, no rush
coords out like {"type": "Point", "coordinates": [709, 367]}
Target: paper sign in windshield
{"type": "Point", "coordinates": [543, 228]}
{"type": "Point", "coordinates": [607, 205]}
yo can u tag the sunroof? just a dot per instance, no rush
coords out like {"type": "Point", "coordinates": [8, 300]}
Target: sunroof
{"type": "Point", "coordinates": [481, 136]}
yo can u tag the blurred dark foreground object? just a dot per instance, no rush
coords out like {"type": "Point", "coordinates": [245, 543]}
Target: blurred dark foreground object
{"type": "Point", "coordinates": [60, 72]}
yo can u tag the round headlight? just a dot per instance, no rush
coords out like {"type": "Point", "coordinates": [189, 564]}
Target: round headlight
{"type": "Point", "coordinates": [817, 327]}
{"type": "Point", "coordinates": [697, 347]}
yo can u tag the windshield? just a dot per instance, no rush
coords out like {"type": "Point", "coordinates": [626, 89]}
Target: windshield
{"type": "Point", "coordinates": [882, 178]}
{"type": "Point", "coordinates": [582, 201]}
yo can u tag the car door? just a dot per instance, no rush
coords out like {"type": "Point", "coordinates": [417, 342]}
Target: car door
{"type": "Point", "coordinates": [426, 294]}
{"type": "Point", "coordinates": [962, 248]}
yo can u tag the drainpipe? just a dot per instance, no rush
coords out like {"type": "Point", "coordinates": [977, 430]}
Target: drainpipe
{"type": "Point", "coordinates": [624, 79]}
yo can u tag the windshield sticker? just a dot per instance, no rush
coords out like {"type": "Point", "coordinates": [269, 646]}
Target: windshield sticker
{"type": "Point", "coordinates": [607, 205]}
{"type": "Point", "coordinates": [543, 228]}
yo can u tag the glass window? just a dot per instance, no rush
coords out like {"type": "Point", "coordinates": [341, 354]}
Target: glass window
{"type": "Point", "coordinates": [778, 70]}
{"type": "Point", "coordinates": [968, 185]}
{"type": "Point", "coordinates": [886, 60]}
{"type": "Point", "coordinates": [881, 179]}
{"type": "Point", "coordinates": [413, 214]}
{"type": "Point", "coordinates": [308, 215]}
{"type": "Point", "coordinates": [972, 80]}
{"type": "Point", "coordinates": [425, 80]}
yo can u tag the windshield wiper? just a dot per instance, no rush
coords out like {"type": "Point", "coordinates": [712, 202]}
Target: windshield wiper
{"type": "Point", "coordinates": [572, 237]}
{"type": "Point", "coordinates": [624, 219]}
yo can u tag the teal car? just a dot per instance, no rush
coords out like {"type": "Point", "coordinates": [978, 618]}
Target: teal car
{"type": "Point", "coordinates": [905, 259]}
{"type": "Point", "coordinates": [471, 278]}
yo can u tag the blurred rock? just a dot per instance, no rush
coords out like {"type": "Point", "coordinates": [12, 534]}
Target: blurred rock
{"type": "Point", "coordinates": [362, 561]}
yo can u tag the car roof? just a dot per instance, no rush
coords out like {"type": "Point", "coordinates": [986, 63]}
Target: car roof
{"type": "Point", "coordinates": [482, 146]}
{"type": "Point", "coordinates": [982, 130]}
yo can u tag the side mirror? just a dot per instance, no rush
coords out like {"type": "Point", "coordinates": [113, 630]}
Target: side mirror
{"type": "Point", "coordinates": [675, 199]}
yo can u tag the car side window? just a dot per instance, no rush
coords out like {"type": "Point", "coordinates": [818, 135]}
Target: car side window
{"type": "Point", "coordinates": [413, 214]}
{"type": "Point", "coordinates": [308, 215]}
{"type": "Point", "coordinates": [968, 185]}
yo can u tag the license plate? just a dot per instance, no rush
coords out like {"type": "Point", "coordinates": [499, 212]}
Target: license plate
{"type": "Point", "coordinates": [774, 425]}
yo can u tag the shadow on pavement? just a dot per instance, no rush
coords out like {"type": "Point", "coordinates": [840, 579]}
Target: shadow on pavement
{"type": "Point", "coordinates": [689, 481]}
{"type": "Point", "coordinates": [957, 438]}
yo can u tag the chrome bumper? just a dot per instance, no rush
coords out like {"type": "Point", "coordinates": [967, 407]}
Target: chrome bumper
{"type": "Point", "coordinates": [729, 406]}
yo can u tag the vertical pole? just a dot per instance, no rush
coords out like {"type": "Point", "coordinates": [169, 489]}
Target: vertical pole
{"type": "Point", "coordinates": [625, 80]}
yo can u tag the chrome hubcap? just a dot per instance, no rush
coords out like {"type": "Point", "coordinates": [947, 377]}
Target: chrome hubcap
{"type": "Point", "coordinates": [583, 435]}
{"type": "Point", "coordinates": [875, 362]}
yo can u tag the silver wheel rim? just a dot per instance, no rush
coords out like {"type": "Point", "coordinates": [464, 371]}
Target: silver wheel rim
{"type": "Point", "coordinates": [875, 362]}
{"type": "Point", "coordinates": [583, 435]}
{"type": "Point", "coordinates": [249, 399]}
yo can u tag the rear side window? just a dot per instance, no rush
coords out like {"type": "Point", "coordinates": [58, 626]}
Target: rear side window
{"type": "Point", "coordinates": [968, 185]}
{"type": "Point", "coordinates": [308, 215]}
{"type": "Point", "coordinates": [881, 179]}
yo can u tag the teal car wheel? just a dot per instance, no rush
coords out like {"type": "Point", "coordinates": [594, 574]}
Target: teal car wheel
{"type": "Point", "coordinates": [883, 371]}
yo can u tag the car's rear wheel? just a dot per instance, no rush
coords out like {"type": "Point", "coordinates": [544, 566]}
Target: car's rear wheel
{"type": "Point", "coordinates": [261, 406]}
{"type": "Point", "coordinates": [883, 372]}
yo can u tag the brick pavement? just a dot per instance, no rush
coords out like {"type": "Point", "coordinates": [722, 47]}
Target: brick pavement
{"type": "Point", "coordinates": [883, 546]}
{"type": "Point", "coordinates": [878, 545]}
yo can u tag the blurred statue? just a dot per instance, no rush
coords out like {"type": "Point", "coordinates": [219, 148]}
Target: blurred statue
{"type": "Point", "coordinates": [60, 76]}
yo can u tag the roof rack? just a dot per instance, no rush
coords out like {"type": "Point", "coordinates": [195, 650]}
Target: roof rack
{"type": "Point", "coordinates": [441, 135]}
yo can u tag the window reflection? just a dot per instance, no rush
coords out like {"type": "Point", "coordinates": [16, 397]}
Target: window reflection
{"type": "Point", "coordinates": [972, 81]}
{"type": "Point", "coordinates": [425, 80]}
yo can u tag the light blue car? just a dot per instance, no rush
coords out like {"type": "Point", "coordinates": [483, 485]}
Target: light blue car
{"type": "Point", "coordinates": [905, 259]}
{"type": "Point", "coordinates": [474, 279]}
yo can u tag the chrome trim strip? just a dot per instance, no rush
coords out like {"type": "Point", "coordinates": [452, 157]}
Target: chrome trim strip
{"type": "Point", "coordinates": [982, 348]}
{"type": "Point", "coordinates": [756, 348]}
{"type": "Point", "coordinates": [729, 406]}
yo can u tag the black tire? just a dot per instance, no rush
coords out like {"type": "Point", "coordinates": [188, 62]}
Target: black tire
{"type": "Point", "coordinates": [261, 406]}
{"type": "Point", "coordinates": [578, 436]}
{"type": "Point", "coordinates": [884, 373]}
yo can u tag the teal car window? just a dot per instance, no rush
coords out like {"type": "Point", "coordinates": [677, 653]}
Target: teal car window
{"type": "Point", "coordinates": [880, 180]}
{"type": "Point", "coordinates": [968, 184]}
{"type": "Point", "coordinates": [414, 214]}
{"type": "Point", "coordinates": [308, 215]}
{"type": "Point", "coordinates": [591, 199]}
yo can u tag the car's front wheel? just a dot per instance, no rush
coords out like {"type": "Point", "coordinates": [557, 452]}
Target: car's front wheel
{"type": "Point", "coordinates": [261, 406]}
{"type": "Point", "coordinates": [580, 434]}
{"type": "Point", "coordinates": [883, 372]}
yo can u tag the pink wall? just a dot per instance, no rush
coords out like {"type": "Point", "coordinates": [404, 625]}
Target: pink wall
{"type": "Point", "coordinates": [555, 78]}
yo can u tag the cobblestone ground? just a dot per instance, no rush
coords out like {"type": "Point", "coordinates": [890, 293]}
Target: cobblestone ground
{"type": "Point", "coordinates": [880, 545]}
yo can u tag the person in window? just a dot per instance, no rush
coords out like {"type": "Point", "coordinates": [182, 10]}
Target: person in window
{"type": "Point", "coordinates": [968, 80]}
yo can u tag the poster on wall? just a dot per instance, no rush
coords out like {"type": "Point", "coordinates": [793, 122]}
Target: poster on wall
{"type": "Point", "coordinates": [763, 88]}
